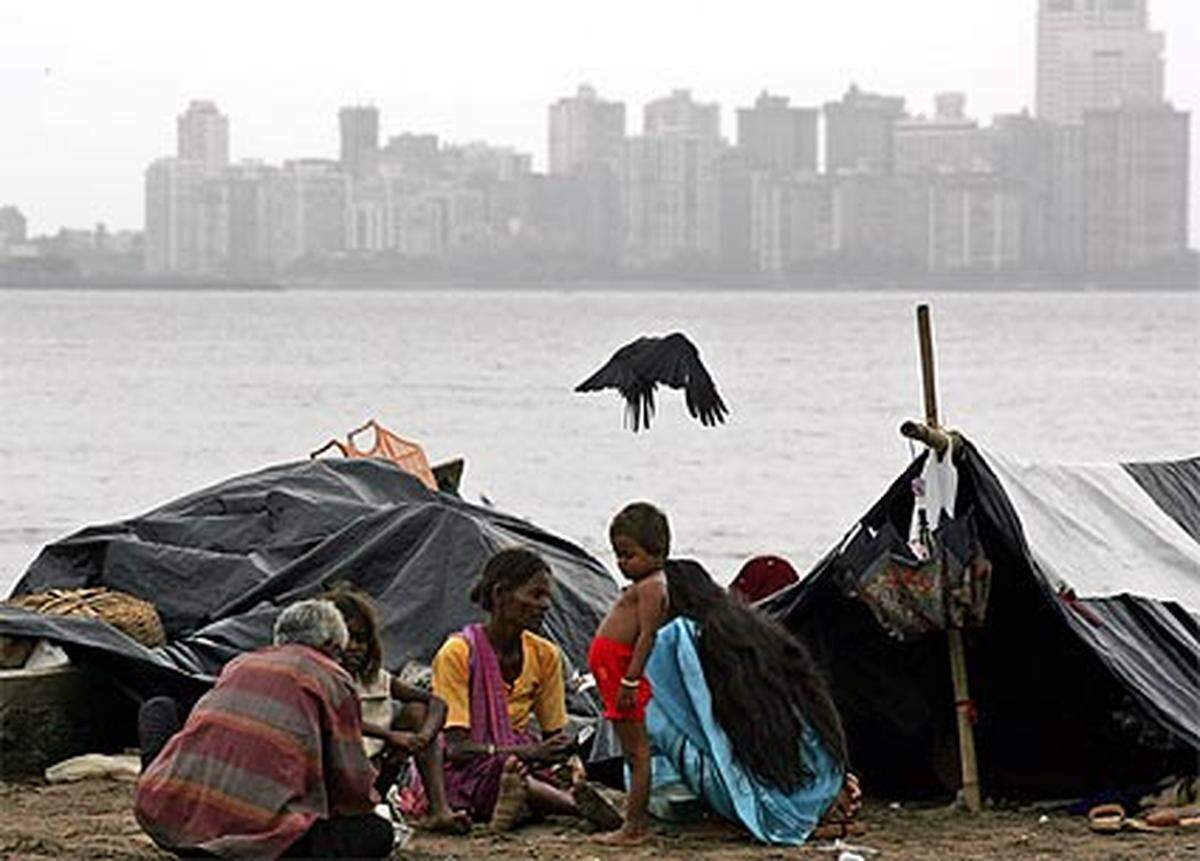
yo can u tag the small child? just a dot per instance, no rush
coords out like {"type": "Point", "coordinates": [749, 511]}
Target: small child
{"type": "Point", "coordinates": [640, 539]}
{"type": "Point", "coordinates": [398, 720]}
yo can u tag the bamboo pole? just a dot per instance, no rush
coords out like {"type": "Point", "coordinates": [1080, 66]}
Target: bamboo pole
{"type": "Point", "coordinates": [958, 657]}
{"type": "Point", "coordinates": [936, 438]}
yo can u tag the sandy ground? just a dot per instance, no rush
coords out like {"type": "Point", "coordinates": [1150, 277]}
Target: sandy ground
{"type": "Point", "coordinates": [93, 819]}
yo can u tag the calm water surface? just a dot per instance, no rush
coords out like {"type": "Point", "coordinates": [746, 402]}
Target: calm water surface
{"type": "Point", "coordinates": [112, 403]}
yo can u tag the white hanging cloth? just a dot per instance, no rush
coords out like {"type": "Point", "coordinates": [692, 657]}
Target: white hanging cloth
{"type": "Point", "coordinates": [934, 491]}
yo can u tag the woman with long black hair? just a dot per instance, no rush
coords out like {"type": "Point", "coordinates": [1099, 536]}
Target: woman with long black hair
{"type": "Point", "coordinates": [741, 716]}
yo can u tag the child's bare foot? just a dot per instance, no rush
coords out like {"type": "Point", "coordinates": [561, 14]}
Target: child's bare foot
{"type": "Point", "coordinates": [595, 808]}
{"type": "Point", "coordinates": [450, 822]}
{"type": "Point", "coordinates": [511, 803]}
{"type": "Point", "coordinates": [625, 837]}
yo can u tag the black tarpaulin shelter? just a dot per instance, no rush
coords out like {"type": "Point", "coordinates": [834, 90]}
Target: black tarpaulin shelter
{"type": "Point", "coordinates": [220, 563]}
{"type": "Point", "coordinates": [1085, 673]}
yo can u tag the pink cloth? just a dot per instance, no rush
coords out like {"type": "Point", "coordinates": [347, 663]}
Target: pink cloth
{"type": "Point", "coordinates": [489, 696]}
{"type": "Point", "coordinates": [475, 785]}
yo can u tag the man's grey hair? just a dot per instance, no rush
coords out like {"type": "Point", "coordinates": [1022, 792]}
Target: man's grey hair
{"type": "Point", "coordinates": [314, 622]}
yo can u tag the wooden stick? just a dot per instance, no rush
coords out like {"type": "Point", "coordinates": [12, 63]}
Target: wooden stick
{"type": "Point", "coordinates": [966, 733]}
{"type": "Point", "coordinates": [929, 383]}
{"type": "Point", "coordinates": [936, 438]}
{"type": "Point", "coordinates": [958, 656]}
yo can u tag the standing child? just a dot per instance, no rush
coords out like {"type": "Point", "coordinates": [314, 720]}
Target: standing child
{"type": "Point", "coordinates": [641, 540]}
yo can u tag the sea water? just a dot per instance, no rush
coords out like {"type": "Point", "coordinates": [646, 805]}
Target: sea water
{"type": "Point", "coordinates": [112, 403]}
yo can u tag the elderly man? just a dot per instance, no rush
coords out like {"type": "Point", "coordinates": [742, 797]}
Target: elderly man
{"type": "Point", "coordinates": [270, 762]}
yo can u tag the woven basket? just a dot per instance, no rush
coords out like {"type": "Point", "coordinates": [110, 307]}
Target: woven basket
{"type": "Point", "coordinates": [131, 615]}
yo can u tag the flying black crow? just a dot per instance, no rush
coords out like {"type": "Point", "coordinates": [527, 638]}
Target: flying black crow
{"type": "Point", "coordinates": [636, 369]}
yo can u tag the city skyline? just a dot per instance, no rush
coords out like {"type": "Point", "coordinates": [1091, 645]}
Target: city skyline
{"type": "Point", "coordinates": [498, 82]}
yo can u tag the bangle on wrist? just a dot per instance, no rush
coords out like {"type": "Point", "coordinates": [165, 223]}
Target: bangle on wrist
{"type": "Point", "coordinates": [632, 684]}
{"type": "Point", "coordinates": [491, 750]}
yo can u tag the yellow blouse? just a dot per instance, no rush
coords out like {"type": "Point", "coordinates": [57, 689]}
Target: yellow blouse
{"type": "Point", "coordinates": [540, 689]}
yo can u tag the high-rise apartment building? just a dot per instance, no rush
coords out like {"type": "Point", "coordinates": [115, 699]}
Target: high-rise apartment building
{"type": "Point", "coordinates": [1095, 54]}
{"type": "Point", "coordinates": [359, 128]}
{"type": "Point", "coordinates": [175, 217]}
{"type": "Point", "coordinates": [1136, 176]}
{"type": "Point", "coordinates": [775, 136]}
{"type": "Point", "coordinates": [669, 184]}
{"type": "Point", "coordinates": [308, 210]}
{"type": "Point", "coordinates": [859, 133]}
{"type": "Point", "coordinates": [585, 131]}
{"type": "Point", "coordinates": [680, 115]}
{"type": "Point", "coordinates": [878, 223]}
{"type": "Point", "coordinates": [247, 195]}
{"type": "Point", "coordinates": [203, 136]}
{"type": "Point", "coordinates": [974, 222]}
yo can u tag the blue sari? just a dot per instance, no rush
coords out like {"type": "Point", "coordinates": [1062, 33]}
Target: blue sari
{"type": "Point", "coordinates": [690, 748]}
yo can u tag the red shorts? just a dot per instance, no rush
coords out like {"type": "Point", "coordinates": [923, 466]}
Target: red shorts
{"type": "Point", "coordinates": [608, 661]}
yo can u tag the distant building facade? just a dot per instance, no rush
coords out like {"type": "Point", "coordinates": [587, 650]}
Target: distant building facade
{"type": "Point", "coordinates": [359, 134]}
{"type": "Point", "coordinates": [1095, 54]}
{"type": "Point", "coordinates": [669, 184]}
{"type": "Point", "coordinates": [878, 223]}
{"type": "Point", "coordinates": [585, 131]}
{"type": "Point", "coordinates": [203, 136]}
{"type": "Point", "coordinates": [772, 135]}
{"type": "Point", "coordinates": [247, 189]}
{"type": "Point", "coordinates": [975, 224]}
{"type": "Point", "coordinates": [947, 142]}
{"type": "Point", "coordinates": [859, 132]}
{"type": "Point", "coordinates": [308, 210]}
{"type": "Point", "coordinates": [1136, 175]}
{"type": "Point", "coordinates": [176, 226]}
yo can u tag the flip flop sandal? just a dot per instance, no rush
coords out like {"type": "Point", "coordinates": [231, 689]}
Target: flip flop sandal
{"type": "Point", "coordinates": [1172, 817]}
{"type": "Point", "coordinates": [1106, 818]}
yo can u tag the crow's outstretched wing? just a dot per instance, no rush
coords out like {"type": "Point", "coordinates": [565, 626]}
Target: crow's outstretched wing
{"type": "Point", "coordinates": [674, 361]}
{"type": "Point", "coordinates": [636, 369]}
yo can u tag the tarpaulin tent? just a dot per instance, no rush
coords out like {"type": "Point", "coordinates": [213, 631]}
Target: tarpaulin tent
{"type": "Point", "coordinates": [220, 563]}
{"type": "Point", "coordinates": [1085, 673]}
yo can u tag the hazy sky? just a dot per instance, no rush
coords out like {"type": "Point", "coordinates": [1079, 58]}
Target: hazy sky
{"type": "Point", "coordinates": [89, 91]}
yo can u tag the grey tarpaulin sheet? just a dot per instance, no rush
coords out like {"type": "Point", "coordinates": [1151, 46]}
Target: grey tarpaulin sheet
{"type": "Point", "coordinates": [221, 562]}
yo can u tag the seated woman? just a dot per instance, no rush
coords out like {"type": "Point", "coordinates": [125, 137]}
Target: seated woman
{"type": "Point", "coordinates": [741, 716]}
{"type": "Point", "coordinates": [494, 676]}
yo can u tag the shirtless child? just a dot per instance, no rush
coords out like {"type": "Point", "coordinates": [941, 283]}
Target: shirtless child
{"type": "Point", "coordinates": [640, 539]}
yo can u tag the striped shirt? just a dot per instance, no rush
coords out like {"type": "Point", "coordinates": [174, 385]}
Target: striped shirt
{"type": "Point", "coordinates": [273, 747]}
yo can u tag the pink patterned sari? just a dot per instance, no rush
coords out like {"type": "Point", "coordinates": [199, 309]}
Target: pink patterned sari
{"type": "Point", "coordinates": [474, 785]}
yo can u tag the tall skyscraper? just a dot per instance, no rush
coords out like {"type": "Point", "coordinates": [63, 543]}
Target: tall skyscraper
{"type": "Point", "coordinates": [1095, 54]}
{"type": "Point", "coordinates": [1136, 175]}
{"type": "Point", "coordinates": [359, 127]}
{"type": "Point", "coordinates": [203, 136]}
{"type": "Point", "coordinates": [774, 136]}
{"type": "Point", "coordinates": [859, 134]}
{"type": "Point", "coordinates": [585, 131]}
